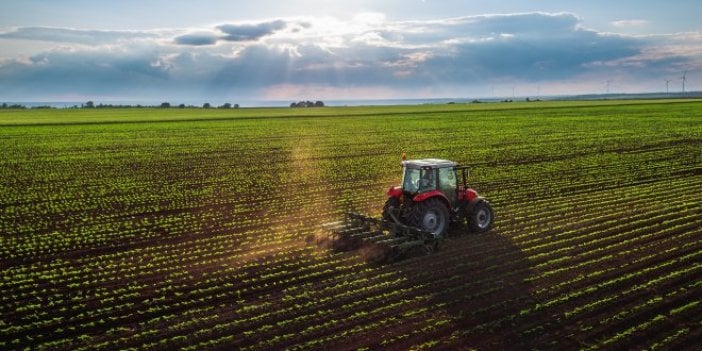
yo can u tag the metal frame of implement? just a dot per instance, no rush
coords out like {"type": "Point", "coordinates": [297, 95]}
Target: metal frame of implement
{"type": "Point", "coordinates": [390, 238]}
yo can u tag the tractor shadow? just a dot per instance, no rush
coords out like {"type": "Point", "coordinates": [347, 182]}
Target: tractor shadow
{"type": "Point", "coordinates": [477, 282]}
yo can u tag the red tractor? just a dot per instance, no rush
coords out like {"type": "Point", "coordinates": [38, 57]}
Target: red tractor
{"type": "Point", "coordinates": [430, 198]}
{"type": "Point", "coordinates": [417, 213]}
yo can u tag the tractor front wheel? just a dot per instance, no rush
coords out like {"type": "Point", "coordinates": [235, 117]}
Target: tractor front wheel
{"type": "Point", "coordinates": [480, 217]}
{"type": "Point", "coordinates": [432, 216]}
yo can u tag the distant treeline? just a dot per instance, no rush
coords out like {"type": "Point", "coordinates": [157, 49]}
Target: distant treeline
{"type": "Point", "coordinates": [307, 104]}
{"type": "Point", "coordinates": [91, 104]}
{"type": "Point", "coordinates": [18, 106]}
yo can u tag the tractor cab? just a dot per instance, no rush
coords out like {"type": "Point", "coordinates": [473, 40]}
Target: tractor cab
{"type": "Point", "coordinates": [428, 175]}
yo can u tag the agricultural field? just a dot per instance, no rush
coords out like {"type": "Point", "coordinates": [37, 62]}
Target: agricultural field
{"type": "Point", "coordinates": [191, 229]}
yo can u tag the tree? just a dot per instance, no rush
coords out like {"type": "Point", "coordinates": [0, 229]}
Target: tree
{"type": "Point", "coordinates": [89, 104]}
{"type": "Point", "coordinates": [236, 105]}
{"type": "Point", "coordinates": [165, 104]}
{"type": "Point", "coordinates": [206, 105]}
{"type": "Point", "coordinates": [227, 105]}
{"type": "Point", "coordinates": [307, 104]}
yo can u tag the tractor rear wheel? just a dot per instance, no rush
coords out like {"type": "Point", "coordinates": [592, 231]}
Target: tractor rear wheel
{"type": "Point", "coordinates": [480, 217]}
{"type": "Point", "coordinates": [432, 216]}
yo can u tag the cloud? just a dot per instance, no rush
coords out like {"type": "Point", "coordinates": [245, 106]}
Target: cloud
{"type": "Point", "coordinates": [235, 33]}
{"type": "Point", "coordinates": [247, 32]}
{"type": "Point", "coordinates": [96, 72]}
{"type": "Point", "coordinates": [456, 56]}
{"type": "Point", "coordinates": [628, 23]}
{"type": "Point", "coordinates": [78, 36]}
{"type": "Point", "coordinates": [197, 39]}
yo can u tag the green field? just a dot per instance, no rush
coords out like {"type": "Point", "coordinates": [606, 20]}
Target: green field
{"type": "Point", "coordinates": [192, 229]}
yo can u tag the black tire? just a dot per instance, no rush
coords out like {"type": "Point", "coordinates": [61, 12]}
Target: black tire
{"type": "Point", "coordinates": [432, 216]}
{"type": "Point", "coordinates": [480, 217]}
{"type": "Point", "coordinates": [391, 202]}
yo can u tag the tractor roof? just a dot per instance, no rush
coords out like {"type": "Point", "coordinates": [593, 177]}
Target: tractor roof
{"type": "Point", "coordinates": [429, 162]}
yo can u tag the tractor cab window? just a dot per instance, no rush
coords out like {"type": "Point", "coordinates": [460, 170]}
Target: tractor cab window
{"type": "Point", "coordinates": [447, 178]}
{"type": "Point", "coordinates": [447, 182]}
{"type": "Point", "coordinates": [410, 180]}
{"type": "Point", "coordinates": [428, 180]}
{"type": "Point", "coordinates": [418, 180]}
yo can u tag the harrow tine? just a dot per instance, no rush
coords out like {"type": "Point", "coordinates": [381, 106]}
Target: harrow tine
{"type": "Point", "coordinates": [367, 235]}
{"type": "Point", "coordinates": [390, 241]}
{"type": "Point", "coordinates": [348, 231]}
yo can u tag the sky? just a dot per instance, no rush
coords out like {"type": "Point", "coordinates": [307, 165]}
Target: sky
{"type": "Point", "coordinates": [208, 50]}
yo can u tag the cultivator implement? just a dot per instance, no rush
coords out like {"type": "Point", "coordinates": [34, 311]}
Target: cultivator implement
{"type": "Point", "coordinates": [381, 240]}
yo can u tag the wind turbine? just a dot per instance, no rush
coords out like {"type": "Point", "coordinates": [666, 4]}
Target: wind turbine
{"type": "Point", "coordinates": [684, 79]}
{"type": "Point", "coordinates": [667, 82]}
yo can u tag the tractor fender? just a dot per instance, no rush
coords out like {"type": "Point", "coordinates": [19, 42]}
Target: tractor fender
{"type": "Point", "coordinates": [470, 194]}
{"type": "Point", "coordinates": [395, 191]}
{"type": "Point", "coordinates": [432, 194]}
{"type": "Point", "coordinates": [466, 194]}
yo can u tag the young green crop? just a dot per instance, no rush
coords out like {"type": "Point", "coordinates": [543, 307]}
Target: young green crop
{"type": "Point", "coordinates": [191, 228]}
